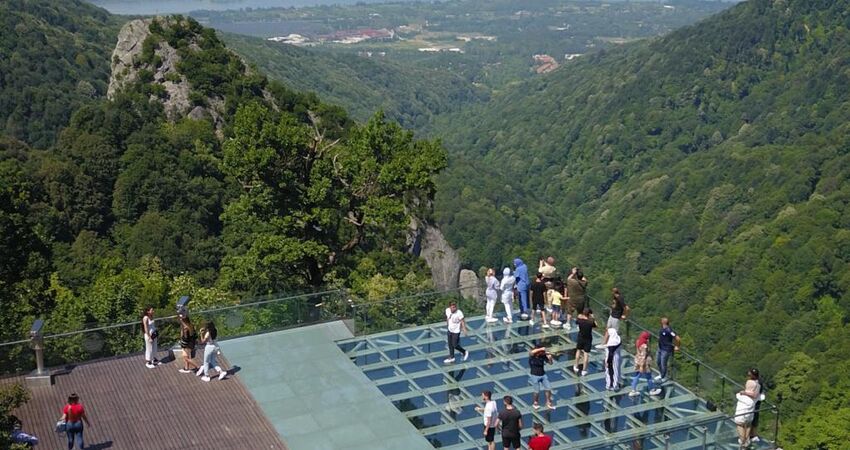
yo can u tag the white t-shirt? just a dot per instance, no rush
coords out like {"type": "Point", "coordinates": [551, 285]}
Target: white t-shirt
{"type": "Point", "coordinates": [454, 320]}
{"type": "Point", "coordinates": [490, 414]}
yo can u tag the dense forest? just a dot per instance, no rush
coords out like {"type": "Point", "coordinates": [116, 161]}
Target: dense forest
{"type": "Point", "coordinates": [706, 174]}
{"type": "Point", "coordinates": [265, 190]}
{"type": "Point", "coordinates": [54, 57]}
{"type": "Point", "coordinates": [410, 95]}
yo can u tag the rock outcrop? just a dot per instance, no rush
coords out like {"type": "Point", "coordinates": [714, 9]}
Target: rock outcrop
{"type": "Point", "coordinates": [428, 242]}
{"type": "Point", "coordinates": [128, 62]}
{"type": "Point", "coordinates": [470, 285]}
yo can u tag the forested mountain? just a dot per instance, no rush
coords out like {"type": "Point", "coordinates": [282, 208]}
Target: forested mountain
{"type": "Point", "coordinates": [200, 176]}
{"type": "Point", "coordinates": [407, 94]}
{"type": "Point", "coordinates": [54, 57]}
{"type": "Point", "coordinates": [706, 174]}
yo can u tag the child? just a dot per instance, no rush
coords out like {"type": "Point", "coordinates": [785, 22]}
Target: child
{"type": "Point", "coordinates": [555, 299]}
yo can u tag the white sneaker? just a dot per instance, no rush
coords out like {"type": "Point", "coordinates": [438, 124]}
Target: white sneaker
{"type": "Point", "coordinates": [657, 378]}
{"type": "Point", "coordinates": [222, 375]}
{"type": "Point", "coordinates": [531, 321]}
{"type": "Point", "coordinates": [575, 369]}
{"type": "Point", "coordinates": [448, 360]}
{"type": "Point", "coordinates": [524, 316]}
{"type": "Point", "coordinates": [199, 372]}
{"type": "Point", "coordinates": [185, 371]}
{"type": "Point", "coordinates": [150, 366]}
{"type": "Point", "coordinates": [654, 392]}
{"type": "Point", "coordinates": [491, 319]}
{"type": "Point", "coordinates": [755, 439]}
{"type": "Point", "coordinates": [205, 378]}
{"type": "Point", "coordinates": [545, 325]}
{"type": "Point", "coordinates": [506, 320]}
{"type": "Point", "coordinates": [634, 393]}
{"type": "Point", "coordinates": [466, 355]}
{"type": "Point", "coordinates": [583, 373]}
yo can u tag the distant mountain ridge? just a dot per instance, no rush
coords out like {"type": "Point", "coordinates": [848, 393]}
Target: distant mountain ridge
{"type": "Point", "coordinates": [704, 172]}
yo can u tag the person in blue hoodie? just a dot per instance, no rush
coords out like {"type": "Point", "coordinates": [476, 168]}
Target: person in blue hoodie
{"type": "Point", "coordinates": [522, 283]}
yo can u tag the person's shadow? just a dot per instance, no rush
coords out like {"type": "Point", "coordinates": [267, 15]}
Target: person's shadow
{"type": "Point", "coordinates": [101, 446]}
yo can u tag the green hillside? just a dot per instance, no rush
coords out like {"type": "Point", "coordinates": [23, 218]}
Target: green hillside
{"type": "Point", "coordinates": [412, 96]}
{"type": "Point", "coordinates": [706, 173]}
{"type": "Point", "coordinates": [249, 189]}
{"type": "Point", "coordinates": [54, 57]}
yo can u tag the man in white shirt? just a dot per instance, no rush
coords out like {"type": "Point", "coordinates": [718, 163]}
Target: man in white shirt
{"type": "Point", "coordinates": [491, 414]}
{"type": "Point", "coordinates": [455, 322]}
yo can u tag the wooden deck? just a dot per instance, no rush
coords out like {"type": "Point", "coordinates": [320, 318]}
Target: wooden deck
{"type": "Point", "coordinates": [133, 407]}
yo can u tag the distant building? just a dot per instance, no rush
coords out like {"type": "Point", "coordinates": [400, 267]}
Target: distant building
{"type": "Point", "coordinates": [294, 39]}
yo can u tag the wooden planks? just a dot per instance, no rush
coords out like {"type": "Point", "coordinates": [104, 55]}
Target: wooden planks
{"type": "Point", "coordinates": [133, 407]}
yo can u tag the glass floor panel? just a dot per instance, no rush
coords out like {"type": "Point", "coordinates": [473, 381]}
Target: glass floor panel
{"type": "Point", "coordinates": [439, 399]}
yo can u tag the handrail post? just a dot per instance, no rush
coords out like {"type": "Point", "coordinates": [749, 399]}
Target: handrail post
{"type": "Point", "coordinates": [40, 376]}
{"type": "Point", "coordinates": [775, 410]}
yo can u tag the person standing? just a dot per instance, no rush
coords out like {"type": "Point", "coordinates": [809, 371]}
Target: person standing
{"type": "Point", "coordinates": [668, 342]}
{"type": "Point", "coordinates": [547, 268]}
{"type": "Point", "coordinates": [507, 288]}
{"type": "Point", "coordinates": [612, 360]}
{"type": "Point", "coordinates": [576, 289]}
{"type": "Point", "coordinates": [211, 349]}
{"type": "Point", "coordinates": [188, 340]}
{"type": "Point", "coordinates": [456, 324]}
{"type": "Point", "coordinates": [642, 361]}
{"type": "Point", "coordinates": [553, 294]}
{"type": "Point", "coordinates": [490, 413]}
{"type": "Point", "coordinates": [151, 335]}
{"type": "Point", "coordinates": [619, 310]}
{"type": "Point", "coordinates": [510, 421]}
{"type": "Point", "coordinates": [752, 389]}
{"type": "Point", "coordinates": [538, 298]}
{"type": "Point", "coordinates": [586, 323]}
{"type": "Point", "coordinates": [492, 293]}
{"type": "Point", "coordinates": [539, 441]}
{"type": "Point", "coordinates": [74, 414]}
{"type": "Point", "coordinates": [538, 357]}
{"type": "Point", "coordinates": [522, 283]}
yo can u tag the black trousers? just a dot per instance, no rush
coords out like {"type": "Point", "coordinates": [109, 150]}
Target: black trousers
{"type": "Point", "coordinates": [454, 344]}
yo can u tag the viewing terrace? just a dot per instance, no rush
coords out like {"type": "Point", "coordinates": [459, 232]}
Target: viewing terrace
{"type": "Point", "coordinates": [325, 371]}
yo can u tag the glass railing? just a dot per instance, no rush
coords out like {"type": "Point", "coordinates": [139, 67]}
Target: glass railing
{"type": "Point", "coordinates": [717, 389]}
{"type": "Point", "coordinates": [260, 315]}
{"type": "Point", "coordinates": [102, 341]}
{"type": "Point", "coordinates": [719, 432]}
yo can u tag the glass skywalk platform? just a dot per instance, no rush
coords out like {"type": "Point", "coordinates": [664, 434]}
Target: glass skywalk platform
{"type": "Point", "coordinates": [439, 399]}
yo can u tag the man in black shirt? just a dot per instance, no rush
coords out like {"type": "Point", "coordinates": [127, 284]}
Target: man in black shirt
{"type": "Point", "coordinates": [537, 360]}
{"type": "Point", "coordinates": [538, 295]}
{"type": "Point", "coordinates": [510, 421]}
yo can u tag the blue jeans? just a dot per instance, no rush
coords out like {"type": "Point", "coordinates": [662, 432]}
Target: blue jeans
{"type": "Point", "coordinates": [523, 299]}
{"type": "Point", "coordinates": [74, 430]}
{"type": "Point", "coordinates": [638, 376]}
{"type": "Point", "coordinates": [663, 357]}
{"type": "Point", "coordinates": [209, 358]}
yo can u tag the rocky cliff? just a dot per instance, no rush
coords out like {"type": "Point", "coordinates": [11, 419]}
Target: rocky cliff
{"type": "Point", "coordinates": [428, 242]}
{"type": "Point", "coordinates": [144, 54]}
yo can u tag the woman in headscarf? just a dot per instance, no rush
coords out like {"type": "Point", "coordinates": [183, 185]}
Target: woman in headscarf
{"type": "Point", "coordinates": [642, 370]}
{"type": "Point", "coordinates": [507, 288]}
{"type": "Point", "coordinates": [612, 360]}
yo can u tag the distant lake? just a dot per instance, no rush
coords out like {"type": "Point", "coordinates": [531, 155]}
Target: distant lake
{"type": "Point", "coordinates": [152, 7]}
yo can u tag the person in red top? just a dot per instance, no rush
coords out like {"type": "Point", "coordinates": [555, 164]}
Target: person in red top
{"type": "Point", "coordinates": [73, 414]}
{"type": "Point", "coordinates": [539, 441]}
